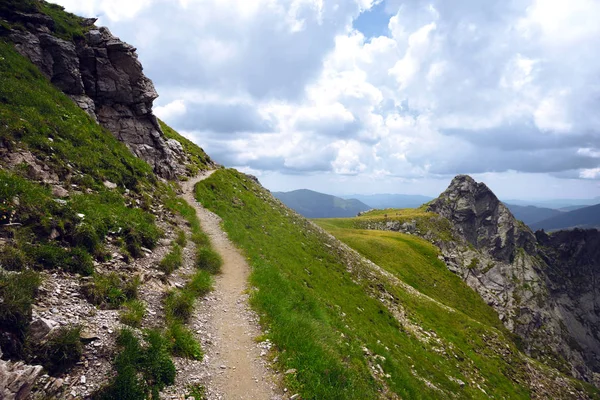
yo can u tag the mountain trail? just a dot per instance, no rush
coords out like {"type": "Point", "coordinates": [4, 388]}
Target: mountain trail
{"type": "Point", "coordinates": [235, 362]}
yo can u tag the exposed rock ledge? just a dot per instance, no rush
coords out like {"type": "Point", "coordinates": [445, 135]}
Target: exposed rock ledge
{"type": "Point", "coordinates": [103, 76]}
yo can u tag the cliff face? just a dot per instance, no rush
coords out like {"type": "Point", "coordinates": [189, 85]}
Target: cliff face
{"type": "Point", "coordinates": [103, 76]}
{"type": "Point", "coordinates": [544, 288]}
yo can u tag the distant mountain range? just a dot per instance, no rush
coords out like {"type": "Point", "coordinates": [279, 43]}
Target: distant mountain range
{"type": "Point", "coordinates": [319, 205]}
{"type": "Point", "coordinates": [531, 214]}
{"type": "Point", "coordinates": [566, 204]}
{"type": "Point", "coordinates": [587, 217]}
{"type": "Point", "coordinates": [313, 204]}
{"type": "Point", "coordinates": [382, 201]}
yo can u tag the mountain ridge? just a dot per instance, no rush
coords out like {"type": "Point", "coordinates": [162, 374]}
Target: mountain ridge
{"type": "Point", "coordinates": [313, 204]}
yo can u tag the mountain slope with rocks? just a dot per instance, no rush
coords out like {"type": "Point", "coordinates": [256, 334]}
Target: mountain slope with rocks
{"type": "Point", "coordinates": [514, 271]}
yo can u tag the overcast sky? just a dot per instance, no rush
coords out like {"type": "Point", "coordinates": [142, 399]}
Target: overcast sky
{"type": "Point", "coordinates": [367, 96]}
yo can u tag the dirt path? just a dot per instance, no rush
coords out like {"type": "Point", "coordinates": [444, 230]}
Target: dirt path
{"type": "Point", "coordinates": [236, 369]}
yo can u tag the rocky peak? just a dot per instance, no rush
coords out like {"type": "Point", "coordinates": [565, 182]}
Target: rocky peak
{"type": "Point", "coordinates": [103, 75]}
{"type": "Point", "coordinates": [482, 219]}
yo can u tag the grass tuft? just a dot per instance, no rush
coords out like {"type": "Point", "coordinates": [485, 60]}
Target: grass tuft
{"type": "Point", "coordinates": [142, 370]}
{"type": "Point", "coordinates": [183, 343]}
{"type": "Point", "coordinates": [181, 238]}
{"type": "Point", "coordinates": [200, 284]}
{"type": "Point", "coordinates": [172, 261]}
{"type": "Point", "coordinates": [111, 290]}
{"type": "Point", "coordinates": [12, 258]}
{"type": "Point", "coordinates": [17, 291]}
{"type": "Point", "coordinates": [133, 312]}
{"type": "Point", "coordinates": [179, 305]}
{"type": "Point", "coordinates": [209, 260]}
{"type": "Point", "coordinates": [62, 350]}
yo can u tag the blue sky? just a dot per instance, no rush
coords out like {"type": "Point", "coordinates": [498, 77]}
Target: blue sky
{"type": "Point", "coordinates": [362, 96]}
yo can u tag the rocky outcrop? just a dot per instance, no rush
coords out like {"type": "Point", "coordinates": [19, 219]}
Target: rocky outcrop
{"type": "Point", "coordinates": [484, 221]}
{"type": "Point", "coordinates": [543, 287]}
{"type": "Point", "coordinates": [573, 279]}
{"type": "Point", "coordinates": [17, 379]}
{"type": "Point", "coordinates": [104, 77]}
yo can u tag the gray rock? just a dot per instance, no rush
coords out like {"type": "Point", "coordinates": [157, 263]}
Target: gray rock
{"type": "Point", "coordinates": [59, 191]}
{"type": "Point", "coordinates": [17, 379]}
{"type": "Point", "coordinates": [41, 327]}
{"type": "Point", "coordinates": [110, 185]}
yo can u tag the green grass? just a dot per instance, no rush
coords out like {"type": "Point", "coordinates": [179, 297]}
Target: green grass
{"type": "Point", "coordinates": [111, 290]}
{"type": "Point", "coordinates": [320, 314]}
{"type": "Point", "coordinates": [17, 291]}
{"type": "Point", "coordinates": [61, 351]}
{"type": "Point", "coordinates": [209, 260]}
{"type": "Point", "coordinates": [415, 261]}
{"type": "Point", "coordinates": [66, 25]}
{"type": "Point", "coordinates": [143, 370]}
{"type": "Point", "coordinates": [133, 312]}
{"type": "Point", "coordinates": [172, 261]}
{"type": "Point", "coordinates": [179, 305]}
{"type": "Point", "coordinates": [181, 238]}
{"type": "Point", "coordinates": [200, 284]}
{"type": "Point", "coordinates": [426, 222]}
{"type": "Point", "coordinates": [197, 392]}
{"type": "Point", "coordinates": [183, 343]}
{"type": "Point", "coordinates": [199, 160]}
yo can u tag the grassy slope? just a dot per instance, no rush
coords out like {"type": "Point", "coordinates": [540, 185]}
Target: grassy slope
{"type": "Point", "coordinates": [415, 262]}
{"type": "Point", "coordinates": [319, 314]}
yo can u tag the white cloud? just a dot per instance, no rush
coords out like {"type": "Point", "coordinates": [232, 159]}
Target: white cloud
{"type": "Point", "coordinates": [172, 110]}
{"type": "Point", "coordinates": [454, 87]}
{"type": "Point", "coordinates": [592, 173]}
{"type": "Point", "coordinates": [552, 114]}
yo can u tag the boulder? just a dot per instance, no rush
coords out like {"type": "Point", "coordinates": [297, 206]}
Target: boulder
{"type": "Point", "coordinates": [41, 328]}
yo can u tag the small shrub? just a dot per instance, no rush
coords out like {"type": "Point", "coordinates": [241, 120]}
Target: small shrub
{"type": "Point", "coordinates": [133, 313]}
{"type": "Point", "coordinates": [181, 239]}
{"type": "Point", "coordinates": [209, 260]}
{"type": "Point", "coordinates": [200, 284]}
{"type": "Point", "coordinates": [183, 343]}
{"type": "Point", "coordinates": [179, 305]}
{"type": "Point", "coordinates": [12, 259]}
{"type": "Point", "coordinates": [141, 371]}
{"type": "Point", "coordinates": [61, 351]}
{"type": "Point", "coordinates": [172, 261]}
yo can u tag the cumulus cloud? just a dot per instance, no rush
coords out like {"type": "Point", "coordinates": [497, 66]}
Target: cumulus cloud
{"type": "Point", "coordinates": [289, 86]}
